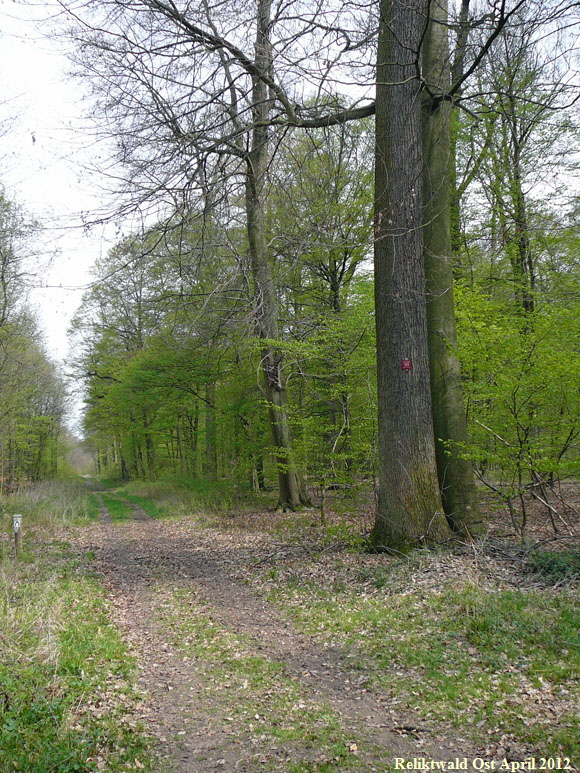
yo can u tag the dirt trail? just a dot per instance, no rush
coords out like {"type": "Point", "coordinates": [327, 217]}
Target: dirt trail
{"type": "Point", "coordinates": [144, 563]}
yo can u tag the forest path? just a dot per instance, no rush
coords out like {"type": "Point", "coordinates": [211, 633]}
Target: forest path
{"type": "Point", "coordinates": [175, 596]}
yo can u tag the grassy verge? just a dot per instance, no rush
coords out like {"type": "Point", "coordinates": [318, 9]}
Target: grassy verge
{"type": "Point", "coordinates": [67, 695]}
{"type": "Point", "coordinates": [490, 661]}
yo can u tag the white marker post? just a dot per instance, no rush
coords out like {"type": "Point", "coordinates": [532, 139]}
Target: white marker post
{"type": "Point", "coordinates": [16, 524]}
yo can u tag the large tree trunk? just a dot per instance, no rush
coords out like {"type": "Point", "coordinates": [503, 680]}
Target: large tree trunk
{"type": "Point", "coordinates": [409, 509]}
{"type": "Point", "coordinates": [455, 473]}
{"type": "Point", "coordinates": [292, 492]}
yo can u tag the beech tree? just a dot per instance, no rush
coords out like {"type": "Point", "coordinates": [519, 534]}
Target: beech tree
{"type": "Point", "coordinates": [320, 225]}
{"type": "Point", "coordinates": [525, 93]}
{"type": "Point", "coordinates": [422, 428]}
{"type": "Point", "coordinates": [320, 214]}
{"type": "Point", "coordinates": [514, 168]}
{"type": "Point", "coordinates": [455, 472]}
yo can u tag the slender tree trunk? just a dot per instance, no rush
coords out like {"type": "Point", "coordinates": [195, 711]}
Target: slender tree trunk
{"type": "Point", "coordinates": [409, 509]}
{"type": "Point", "coordinates": [54, 461]}
{"type": "Point", "coordinates": [149, 447]}
{"type": "Point", "coordinates": [292, 493]}
{"type": "Point", "coordinates": [180, 448]}
{"type": "Point", "coordinates": [259, 469]}
{"type": "Point", "coordinates": [194, 426]}
{"type": "Point", "coordinates": [36, 472]}
{"type": "Point", "coordinates": [210, 432]}
{"type": "Point", "coordinates": [456, 73]}
{"type": "Point", "coordinates": [455, 473]}
{"type": "Point", "coordinates": [124, 469]}
{"type": "Point", "coordinates": [522, 261]}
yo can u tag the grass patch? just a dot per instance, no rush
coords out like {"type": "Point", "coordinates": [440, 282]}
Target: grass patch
{"type": "Point", "coordinates": [93, 508]}
{"type": "Point", "coordinates": [150, 506]}
{"type": "Point", "coordinates": [67, 695]}
{"type": "Point", "coordinates": [158, 499]}
{"type": "Point", "coordinates": [119, 509]}
{"type": "Point", "coordinates": [118, 501]}
{"type": "Point", "coordinates": [50, 504]}
{"type": "Point", "coordinates": [492, 662]}
{"type": "Point", "coordinates": [214, 503]}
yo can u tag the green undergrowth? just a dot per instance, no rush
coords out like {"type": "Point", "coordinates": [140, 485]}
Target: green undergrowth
{"type": "Point", "coordinates": [215, 495]}
{"type": "Point", "coordinates": [257, 699]}
{"type": "Point", "coordinates": [492, 662]}
{"type": "Point", "coordinates": [555, 566]}
{"type": "Point", "coordinates": [67, 694]}
{"type": "Point", "coordinates": [211, 501]}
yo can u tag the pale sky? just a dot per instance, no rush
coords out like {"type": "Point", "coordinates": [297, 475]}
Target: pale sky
{"type": "Point", "coordinates": [41, 165]}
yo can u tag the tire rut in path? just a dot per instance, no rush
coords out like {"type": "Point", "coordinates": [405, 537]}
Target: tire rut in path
{"type": "Point", "coordinates": [105, 515]}
{"type": "Point", "coordinates": [143, 563]}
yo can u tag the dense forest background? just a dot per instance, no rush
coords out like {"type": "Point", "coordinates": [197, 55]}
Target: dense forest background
{"type": "Point", "coordinates": [230, 342]}
{"type": "Point", "coordinates": [34, 400]}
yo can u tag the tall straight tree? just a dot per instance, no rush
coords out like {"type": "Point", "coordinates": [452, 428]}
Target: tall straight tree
{"type": "Point", "coordinates": [409, 508]}
{"type": "Point", "coordinates": [292, 492]}
{"type": "Point", "coordinates": [455, 471]}
{"type": "Point", "coordinates": [413, 67]}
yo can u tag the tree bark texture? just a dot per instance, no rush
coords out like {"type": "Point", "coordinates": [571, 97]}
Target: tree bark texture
{"type": "Point", "coordinates": [455, 473]}
{"type": "Point", "coordinates": [409, 510]}
{"type": "Point", "coordinates": [292, 492]}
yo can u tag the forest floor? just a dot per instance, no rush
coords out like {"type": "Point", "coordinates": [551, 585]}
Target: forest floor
{"type": "Point", "coordinates": [270, 642]}
{"type": "Point", "coordinates": [245, 667]}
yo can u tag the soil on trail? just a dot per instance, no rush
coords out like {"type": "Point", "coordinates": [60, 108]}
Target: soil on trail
{"type": "Point", "coordinates": [146, 565]}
